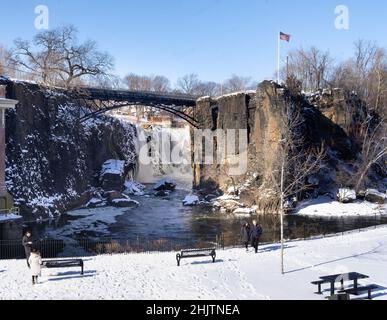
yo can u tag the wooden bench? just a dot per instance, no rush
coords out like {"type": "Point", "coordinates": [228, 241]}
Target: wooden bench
{"type": "Point", "coordinates": [359, 290]}
{"type": "Point", "coordinates": [195, 253]}
{"type": "Point", "coordinates": [69, 263]}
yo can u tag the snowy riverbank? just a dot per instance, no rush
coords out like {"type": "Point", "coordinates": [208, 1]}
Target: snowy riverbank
{"type": "Point", "coordinates": [326, 207]}
{"type": "Point", "coordinates": [236, 275]}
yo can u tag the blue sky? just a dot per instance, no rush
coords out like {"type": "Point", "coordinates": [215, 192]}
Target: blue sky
{"type": "Point", "coordinates": [213, 38]}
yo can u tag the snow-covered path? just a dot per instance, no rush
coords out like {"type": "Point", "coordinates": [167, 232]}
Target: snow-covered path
{"type": "Point", "coordinates": [236, 275]}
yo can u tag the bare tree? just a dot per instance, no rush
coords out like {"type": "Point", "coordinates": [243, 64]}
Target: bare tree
{"type": "Point", "coordinates": [188, 84]}
{"type": "Point", "coordinates": [157, 83]}
{"type": "Point", "coordinates": [210, 88]}
{"type": "Point", "coordinates": [295, 161]}
{"type": "Point", "coordinates": [374, 149]}
{"type": "Point", "coordinates": [7, 66]}
{"type": "Point", "coordinates": [311, 66]}
{"type": "Point", "coordinates": [237, 83]}
{"type": "Point", "coordinates": [161, 84]}
{"type": "Point", "coordinates": [60, 59]}
{"type": "Point", "coordinates": [365, 74]}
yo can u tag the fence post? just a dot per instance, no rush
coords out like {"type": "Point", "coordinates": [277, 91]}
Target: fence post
{"type": "Point", "coordinates": [138, 244]}
{"type": "Point", "coordinates": [342, 225]}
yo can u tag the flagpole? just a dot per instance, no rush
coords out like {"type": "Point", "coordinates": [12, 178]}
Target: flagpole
{"type": "Point", "coordinates": [278, 57]}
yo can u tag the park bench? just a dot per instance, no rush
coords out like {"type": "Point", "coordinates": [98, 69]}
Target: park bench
{"type": "Point", "coordinates": [359, 290]}
{"type": "Point", "coordinates": [51, 264]}
{"type": "Point", "coordinates": [195, 253]}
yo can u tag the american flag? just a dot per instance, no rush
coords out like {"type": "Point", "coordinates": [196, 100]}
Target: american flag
{"type": "Point", "coordinates": [285, 37]}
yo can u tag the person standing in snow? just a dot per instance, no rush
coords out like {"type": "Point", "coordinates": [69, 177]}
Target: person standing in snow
{"type": "Point", "coordinates": [256, 232]}
{"type": "Point", "coordinates": [245, 235]}
{"type": "Point", "coordinates": [27, 242]}
{"type": "Point", "coordinates": [35, 262]}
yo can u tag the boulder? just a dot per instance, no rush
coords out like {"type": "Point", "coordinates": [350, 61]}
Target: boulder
{"type": "Point", "coordinates": [375, 196]}
{"type": "Point", "coordinates": [95, 203]}
{"type": "Point", "coordinates": [162, 193]}
{"type": "Point", "coordinates": [124, 203]}
{"type": "Point", "coordinates": [165, 185]}
{"type": "Point", "coordinates": [113, 195]}
{"type": "Point", "coordinates": [134, 188]}
{"type": "Point", "coordinates": [345, 195]}
{"type": "Point", "coordinates": [191, 200]}
{"type": "Point", "coordinates": [112, 175]}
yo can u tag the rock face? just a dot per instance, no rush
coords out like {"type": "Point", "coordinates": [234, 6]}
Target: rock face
{"type": "Point", "coordinates": [52, 158]}
{"type": "Point", "coordinates": [330, 121]}
{"type": "Point", "coordinates": [343, 108]}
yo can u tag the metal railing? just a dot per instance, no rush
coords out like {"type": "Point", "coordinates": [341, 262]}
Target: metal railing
{"type": "Point", "coordinates": [52, 248]}
{"type": "Point", "coordinates": [69, 248]}
{"type": "Point", "coordinates": [15, 211]}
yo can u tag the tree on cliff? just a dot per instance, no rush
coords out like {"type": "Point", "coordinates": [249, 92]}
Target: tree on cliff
{"type": "Point", "coordinates": [366, 74]}
{"type": "Point", "coordinates": [374, 150]}
{"type": "Point", "coordinates": [58, 59]}
{"type": "Point", "coordinates": [312, 67]}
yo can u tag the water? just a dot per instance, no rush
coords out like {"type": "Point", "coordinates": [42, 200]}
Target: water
{"type": "Point", "coordinates": [166, 218]}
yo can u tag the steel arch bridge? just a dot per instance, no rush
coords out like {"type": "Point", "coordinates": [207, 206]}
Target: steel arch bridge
{"type": "Point", "coordinates": [106, 100]}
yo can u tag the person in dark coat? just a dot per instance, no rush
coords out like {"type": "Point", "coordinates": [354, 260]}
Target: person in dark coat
{"type": "Point", "coordinates": [245, 235]}
{"type": "Point", "coordinates": [28, 242]}
{"type": "Point", "coordinates": [256, 233]}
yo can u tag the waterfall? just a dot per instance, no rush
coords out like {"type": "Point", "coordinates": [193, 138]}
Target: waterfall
{"type": "Point", "coordinates": [164, 153]}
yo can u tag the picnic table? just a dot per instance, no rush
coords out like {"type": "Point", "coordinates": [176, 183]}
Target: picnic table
{"type": "Point", "coordinates": [340, 278]}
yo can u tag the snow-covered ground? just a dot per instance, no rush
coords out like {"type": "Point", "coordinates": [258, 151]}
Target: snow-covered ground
{"type": "Point", "coordinates": [325, 206]}
{"type": "Point", "coordinates": [236, 275]}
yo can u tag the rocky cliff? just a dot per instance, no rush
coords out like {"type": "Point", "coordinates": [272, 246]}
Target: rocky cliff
{"type": "Point", "coordinates": [53, 160]}
{"type": "Point", "coordinates": [328, 118]}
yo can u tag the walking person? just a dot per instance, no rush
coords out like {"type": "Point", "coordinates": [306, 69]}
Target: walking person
{"type": "Point", "coordinates": [256, 233]}
{"type": "Point", "coordinates": [27, 242]}
{"type": "Point", "coordinates": [245, 235]}
{"type": "Point", "coordinates": [35, 262]}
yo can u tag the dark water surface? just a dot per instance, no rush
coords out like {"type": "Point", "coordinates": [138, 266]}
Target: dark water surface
{"type": "Point", "coordinates": [167, 218]}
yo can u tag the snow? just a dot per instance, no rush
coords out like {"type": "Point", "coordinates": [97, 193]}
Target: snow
{"type": "Point", "coordinates": [134, 188]}
{"type": "Point", "coordinates": [93, 220]}
{"type": "Point", "coordinates": [9, 217]}
{"type": "Point", "coordinates": [237, 274]}
{"type": "Point", "coordinates": [245, 211]}
{"type": "Point", "coordinates": [96, 202]}
{"type": "Point", "coordinates": [346, 195]}
{"type": "Point", "coordinates": [191, 200]}
{"type": "Point", "coordinates": [113, 167]}
{"type": "Point", "coordinates": [325, 206]}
